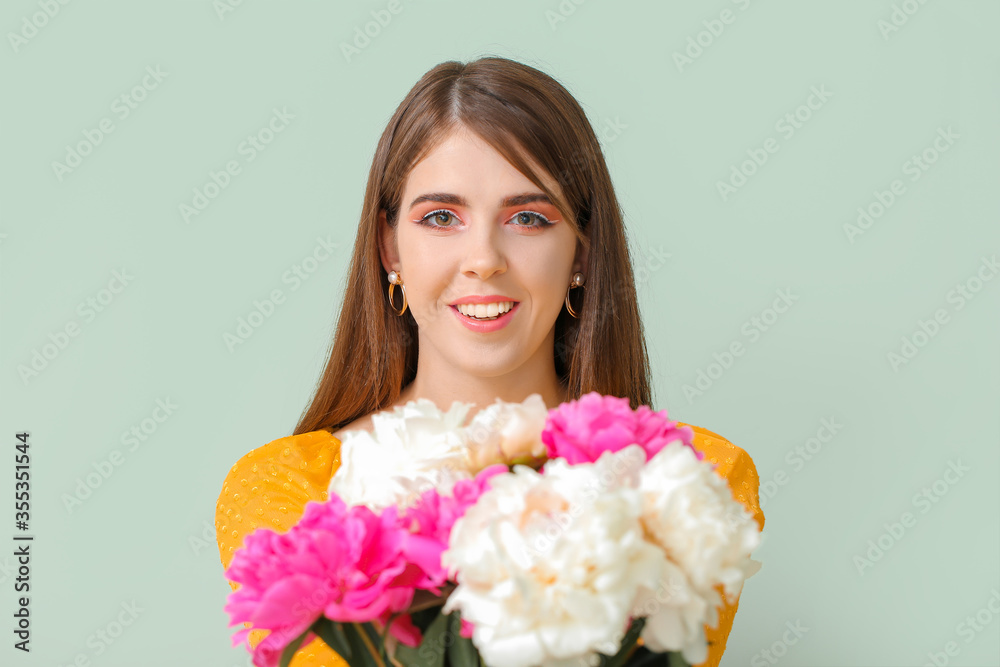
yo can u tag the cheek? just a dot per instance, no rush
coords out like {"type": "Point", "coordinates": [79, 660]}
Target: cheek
{"type": "Point", "coordinates": [549, 265]}
{"type": "Point", "coordinates": [414, 255]}
{"type": "Point", "coordinates": [427, 271]}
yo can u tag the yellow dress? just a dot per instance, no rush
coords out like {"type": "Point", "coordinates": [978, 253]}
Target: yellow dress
{"type": "Point", "coordinates": [270, 486]}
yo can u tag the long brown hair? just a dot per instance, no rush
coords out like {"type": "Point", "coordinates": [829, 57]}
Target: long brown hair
{"type": "Point", "coordinates": [515, 108]}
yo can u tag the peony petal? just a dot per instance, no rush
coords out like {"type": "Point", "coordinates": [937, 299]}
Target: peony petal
{"type": "Point", "coordinates": [404, 630]}
{"type": "Point", "coordinates": [425, 553]}
{"type": "Point", "coordinates": [293, 603]}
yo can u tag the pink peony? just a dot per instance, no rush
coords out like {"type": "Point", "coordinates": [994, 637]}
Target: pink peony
{"type": "Point", "coordinates": [581, 430]}
{"type": "Point", "coordinates": [430, 519]}
{"type": "Point", "coordinates": [348, 564]}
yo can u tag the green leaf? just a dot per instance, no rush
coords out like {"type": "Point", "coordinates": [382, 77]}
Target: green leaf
{"type": "Point", "coordinates": [289, 652]}
{"type": "Point", "coordinates": [360, 655]}
{"type": "Point", "coordinates": [432, 649]}
{"type": "Point", "coordinates": [423, 618]}
{"type": "Point", "coordinates": [379, 641]}
{"type": "Point", "coordinates": [628, 647]}
{"type": "Point", "coordinates": [407, 655]}
{"type": "Point", "coordinates": [676, 660]}
{"type": "Point", "coordinates": [645, 658]}
{"type": "Point", "coordinates": [462, 651]}
{"type": "Point", "coordinates": [383, 652]}
{"type": "Point", "coordinates": [333, 634]}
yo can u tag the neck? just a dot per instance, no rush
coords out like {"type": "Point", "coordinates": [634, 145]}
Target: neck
{"type": "Point", "coordinates": [443, 384]}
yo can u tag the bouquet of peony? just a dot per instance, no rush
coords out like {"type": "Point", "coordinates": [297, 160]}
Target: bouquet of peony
{"type": "Point", "coordinates": [589, 534]}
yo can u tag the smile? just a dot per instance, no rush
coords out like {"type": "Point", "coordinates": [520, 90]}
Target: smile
{"type": "Point", "coordinates": [485, 311]}
{"type": "Point", "coordinates": [485, 318]}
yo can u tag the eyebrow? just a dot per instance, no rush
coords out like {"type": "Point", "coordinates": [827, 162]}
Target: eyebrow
{"type": "Point", "coordinates": [456, 200]}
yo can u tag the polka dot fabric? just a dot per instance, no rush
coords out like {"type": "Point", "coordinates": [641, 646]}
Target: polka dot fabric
{"type": "Point", "coordinates": [270, 486]}
{"type": "Point", "coordinates": [738, 469]}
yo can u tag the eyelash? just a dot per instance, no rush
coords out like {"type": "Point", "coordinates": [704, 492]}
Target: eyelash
{"type": "Point", "coordinates": [541, 221]}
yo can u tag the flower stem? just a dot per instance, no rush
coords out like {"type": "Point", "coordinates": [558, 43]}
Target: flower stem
{"type": "Point", "coordinates": [368, 644]}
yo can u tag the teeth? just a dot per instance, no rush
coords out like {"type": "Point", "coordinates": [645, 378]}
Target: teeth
{"type": "Point", "coordinates": [485, 311]}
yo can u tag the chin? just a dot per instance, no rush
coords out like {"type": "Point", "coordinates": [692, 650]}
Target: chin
{"type": "Point", "coordinates": [486, 365]}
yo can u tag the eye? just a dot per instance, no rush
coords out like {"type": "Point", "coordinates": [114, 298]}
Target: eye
{"type": "Point", "coordinates": [530, 219]}
{"type": "Point", "coordinates": [432, 218]}
{"type": "Point", "coordinates": [526, 218]}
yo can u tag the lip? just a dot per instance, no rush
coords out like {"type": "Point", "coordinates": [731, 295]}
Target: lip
{"type": "Point", "coordinates": [488, 325]}
{"type": "Point", "coordinates": [479, 298]}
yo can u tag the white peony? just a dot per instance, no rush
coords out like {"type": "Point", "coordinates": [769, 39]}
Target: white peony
{"type": "Point", "coordinates": [411, 449]}
{"type": "Point", "coordinates": [548, 566]}
{"type": "Point", "coordinates": [689, 511]}
{"type": "Point", "coordinates": [415, 447]}
{"type": "Point", "coordinates": [675, 615]}
{"type": "Point", "coordinates": [507, 432]}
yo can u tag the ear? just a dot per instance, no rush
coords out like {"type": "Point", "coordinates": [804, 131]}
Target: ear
{"type": "Point", "coordinates": [387, 248]}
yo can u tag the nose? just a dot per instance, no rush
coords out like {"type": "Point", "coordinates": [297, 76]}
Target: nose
{"type": "Point", "coordinates": [484, 253]}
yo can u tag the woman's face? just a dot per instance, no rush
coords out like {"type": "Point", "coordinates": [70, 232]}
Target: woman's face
{"type": "Point", "coordinates": [471, 225]}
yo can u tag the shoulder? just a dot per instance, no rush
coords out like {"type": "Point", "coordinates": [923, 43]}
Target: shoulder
{"type": "Point", "coordinates": [270, 486]}
{"type": "Point", "coordinates": [734, 465]}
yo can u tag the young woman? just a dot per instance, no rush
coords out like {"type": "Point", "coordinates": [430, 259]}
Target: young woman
{"type": "Point", "coordinates": [490, 262]}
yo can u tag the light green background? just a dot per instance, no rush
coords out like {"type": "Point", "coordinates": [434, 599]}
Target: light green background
{"type": "Point", "coordinates": [138, 537]}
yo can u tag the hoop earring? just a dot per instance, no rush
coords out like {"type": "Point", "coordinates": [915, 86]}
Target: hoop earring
{"type": "Point", "coordinates": [577, 282]}
{"type": "Point", "coordinates": [394, 280]}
